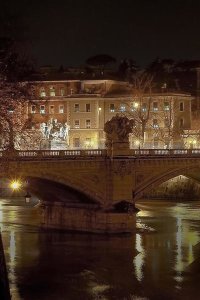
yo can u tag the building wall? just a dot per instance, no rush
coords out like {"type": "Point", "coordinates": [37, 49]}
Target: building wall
{"type": "Point", "coordinates": [88, 105]}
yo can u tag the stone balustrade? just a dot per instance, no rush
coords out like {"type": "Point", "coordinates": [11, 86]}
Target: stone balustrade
{"type": "Point", "coordinates": [94, 153]}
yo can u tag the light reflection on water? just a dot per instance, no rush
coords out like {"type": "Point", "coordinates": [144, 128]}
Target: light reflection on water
{"type": "Point", "coordinates": [139, 259]}
{"type": "Point", "coordinates": [52, 266]}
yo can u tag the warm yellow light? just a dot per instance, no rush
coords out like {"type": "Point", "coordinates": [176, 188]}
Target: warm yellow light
{"type": "Point", "coordinates": [194, 142]}
{"type": "Point", "coordinates": [99, 108]}
{"type": "Point", "coordinates": [137, 142]}
{"type": "Point", "coordinates": [15, 185]}
{"type": "Point", "coordinates": [136, 104]}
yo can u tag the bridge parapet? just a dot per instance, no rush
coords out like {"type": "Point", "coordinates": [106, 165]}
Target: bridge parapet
{"type": "Point", "coordinates": [52, 154]}
{"type": "Point", "coordinates": [95, 153]}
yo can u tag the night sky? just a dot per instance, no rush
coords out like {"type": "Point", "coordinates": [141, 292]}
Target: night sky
{"type": "Point", "coordinates": [69, 31]}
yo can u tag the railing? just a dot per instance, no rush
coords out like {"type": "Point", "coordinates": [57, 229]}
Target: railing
{"type": "Point", "coordinates": [52, 154]}
{"type": "Point", "coordinates": [167, 152]}
{"type": "Point", "coordinates": [95, 153]}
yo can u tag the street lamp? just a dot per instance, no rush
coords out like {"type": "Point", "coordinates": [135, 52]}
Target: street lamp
{"type": "Point", "coordinates": [27, 197]}
{"type": "Point", "coordinates": [15, 185]}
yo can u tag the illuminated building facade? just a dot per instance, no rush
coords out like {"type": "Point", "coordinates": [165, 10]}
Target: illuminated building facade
{"type": "Point", "coordinates": [72, 113]}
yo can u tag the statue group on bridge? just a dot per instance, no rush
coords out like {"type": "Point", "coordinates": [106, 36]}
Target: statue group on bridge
{"type": "Point", "coordinates": [55, 131]}
{"type": "Point", "coordinates": [118, 130]}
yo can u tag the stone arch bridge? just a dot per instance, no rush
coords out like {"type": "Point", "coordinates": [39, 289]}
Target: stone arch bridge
{"type": "Point", "coordinates": [105, 180]}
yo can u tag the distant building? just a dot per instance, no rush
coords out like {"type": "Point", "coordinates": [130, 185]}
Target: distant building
{"type": "Point", "coordinates": [71, 114]}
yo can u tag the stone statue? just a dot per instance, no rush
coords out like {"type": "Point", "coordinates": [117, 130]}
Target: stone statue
{"type": "Point", "coordinates": [117, 131]}
{"type": "Point", "coordinates": [66, 133]}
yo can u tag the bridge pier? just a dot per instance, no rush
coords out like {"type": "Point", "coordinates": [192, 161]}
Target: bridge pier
{"type": "Point", "coordinates": [58, 215]}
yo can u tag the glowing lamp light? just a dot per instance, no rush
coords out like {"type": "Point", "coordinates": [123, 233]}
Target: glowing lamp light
{"type": "Point", "coordinates": [99, 108]}
{"type": "Point", "coordinates": [136, 104]}
{"type": "Point", "coordinates": [137, 143]}
{"type": "Point", "coordinates": [15, 185]}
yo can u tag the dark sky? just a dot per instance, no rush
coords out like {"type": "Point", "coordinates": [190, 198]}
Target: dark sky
{"type": "Point", "coordinates": [69, 31]}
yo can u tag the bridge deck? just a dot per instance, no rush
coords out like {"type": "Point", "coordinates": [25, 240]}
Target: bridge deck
{"type": "Point", "coordinates": [97, 153]}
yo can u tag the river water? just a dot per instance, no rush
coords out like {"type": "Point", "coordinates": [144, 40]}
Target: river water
{"type": "Point", "coordinates": [160, 261]}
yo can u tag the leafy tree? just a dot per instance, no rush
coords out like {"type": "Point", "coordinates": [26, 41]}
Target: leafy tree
{"type": "Point", "coordinates": [99, 62]}
{"type": "Point", "coordinates": [127, 69]}
{"type": "Point", "coordinates": [14, 94]}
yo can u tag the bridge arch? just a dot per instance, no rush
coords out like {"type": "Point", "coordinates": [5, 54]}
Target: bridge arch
{"type": "Point", "coordinates": [160, 178]}
{"type": "Point", "coordinates": [70, 180]}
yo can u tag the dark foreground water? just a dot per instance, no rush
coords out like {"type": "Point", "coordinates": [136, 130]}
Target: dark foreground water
{"type": "Point", "coordinates": [160, 261]}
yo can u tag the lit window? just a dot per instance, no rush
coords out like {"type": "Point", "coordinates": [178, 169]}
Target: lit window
{"type": "Point", "coordinates": [134, 106]}
{"type": "Point", "coordinates": [33, 109]}
{"type": "Point", "coordinates": [76, 124]}
{"type": "Point", "coordinates": [155, 123]}
{"type": "Point", "coordinates": [51, 109]}
{"type": "Point", "coordinates": [52, 91]}
{"type": "Point", "coordinates": [166, 105]}
{"type": "Point", "coordinates": [61, 109]}
{"type": "Point", "coordinates": [144, 107]}
{"type": "Point", "coordinates": [88, 124]}
{"type": "Point", "coordinates": [62, 92]}
{"type": "Point", "coordinates": [76, 142]}
{"type": "Point", "coordinates": [155, 106]}
{"type": "Point", "coordinates": [181, 106]}
{"type": "Point", "coordinates": [88, 142]}
{"type": "Point", "coordinates": [42, 109]}
{"type": "Point", "coordinates": [76, 107]}
{"type": "Point", "coordinates": [42, 92]}
{"type": "Point", "coordinates": [122, 107]}
{"type": "Point", "coordinates": [112, 107]}
{"type": "Point", "coordinates": [87, 107]}
{"type": "Point", "coordinates": [166, 122]}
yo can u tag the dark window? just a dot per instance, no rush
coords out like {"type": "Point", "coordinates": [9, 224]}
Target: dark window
{"type": "Point", "coordinates": [76, 142]}
{"type": "Point", "coordinates": [166, 105]}
{"type": "Point", "coordinates": [77, 124]}
{"type": "Point", "coordinates": [155, 123]}
{"type": "Point", "coordinates": [166, 122]}
{"type": "Point", "coordinates": [155, 106]}
{"type": "Point", "coordinates": [88, 124]}
{"type": "Point", "coordinates": [112, 107]}
{"type": "Point", "coordinates": [88, 107]}
{"type": "Point", "coordinates": [144, 107]}
{"type": "Point", "coordinates": [76, 107]}
{"type": "Point", "coordinates": [181, 123]}
{"type": "Point", "coordinates": [181, 106]}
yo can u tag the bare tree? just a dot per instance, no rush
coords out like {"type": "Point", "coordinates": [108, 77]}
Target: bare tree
{"type": "Point", "coordinates": [139, 108]}
{"type": "Point", "coordinates": [166, 129]}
